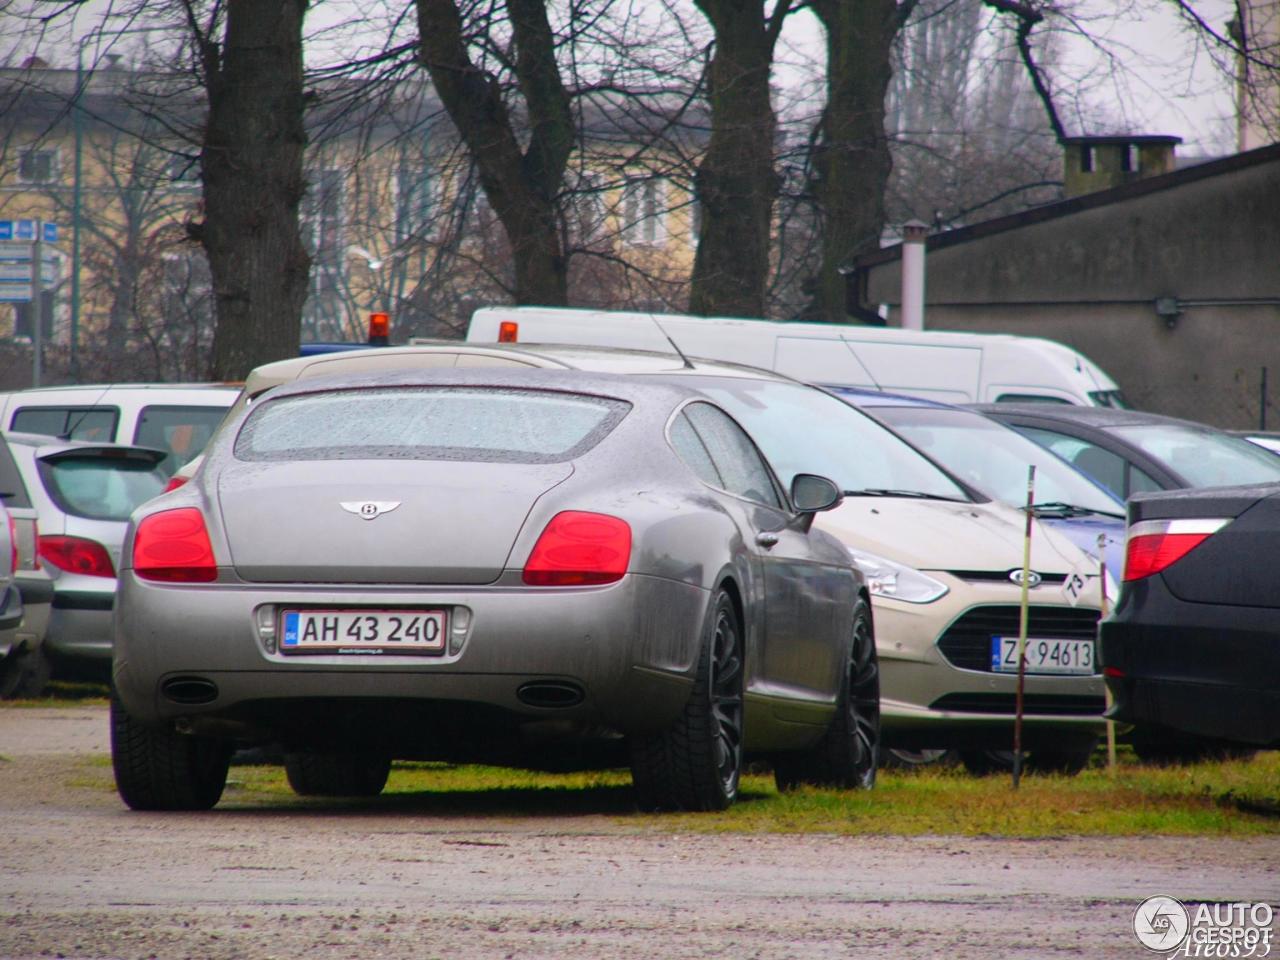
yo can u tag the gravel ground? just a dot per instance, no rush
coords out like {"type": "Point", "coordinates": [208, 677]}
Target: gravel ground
{"type": "Point", "coordinates": [83, 878]}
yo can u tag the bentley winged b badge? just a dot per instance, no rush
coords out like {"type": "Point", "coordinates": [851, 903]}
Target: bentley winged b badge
{"type": "Point", "coordinates": [368, 509]}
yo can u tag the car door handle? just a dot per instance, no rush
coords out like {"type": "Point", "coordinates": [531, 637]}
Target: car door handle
{"type": "Point", "coordinates": [767, 540]}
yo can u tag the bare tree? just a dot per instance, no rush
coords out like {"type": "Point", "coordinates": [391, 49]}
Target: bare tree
{"type": "Point", "coordinates": [250, 57]}
{"type": "Point", "coordinates": [852, 161]}
{"type": "Point", "coordinates": [522, 185]}
{"type": "Point", "coordinates": [736, 180]}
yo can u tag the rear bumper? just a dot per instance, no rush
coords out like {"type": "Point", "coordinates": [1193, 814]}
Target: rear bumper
{"type": "Point", "coordinates": [80, 625]}
{"type": "Point", "coordinates": [10, 607]}
{"type": "Point", "coordinates": [1201, 669]}
{"type": "Point", "coordinates": [629, 650]}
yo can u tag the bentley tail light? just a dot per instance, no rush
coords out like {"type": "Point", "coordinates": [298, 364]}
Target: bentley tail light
{"type": "Point", "coordinates": [175, 482]}
{"type": "Point", "coordinates": [1153, 545]}
{"type": "Point", "coordinates": [77, 555]}
{"type": "Point", "coordinates": [579, 549]}
{"type": "Point", "coordinates": [173, 546]}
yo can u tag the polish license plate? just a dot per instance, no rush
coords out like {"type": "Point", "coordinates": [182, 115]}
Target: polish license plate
{"type": "Point", "coordinates": [379, 632]}
{"type": "Point", "coordinates": [1043, 656]}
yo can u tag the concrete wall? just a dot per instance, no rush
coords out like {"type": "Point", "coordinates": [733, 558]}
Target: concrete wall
{"type": "Point", "coordinates": [1090, 279]}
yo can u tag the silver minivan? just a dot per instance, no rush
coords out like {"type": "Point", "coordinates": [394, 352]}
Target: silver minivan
{"type": "Point", "coordinates": [176, 418]}
{"type": "Point", "coordinates": [83, 494]}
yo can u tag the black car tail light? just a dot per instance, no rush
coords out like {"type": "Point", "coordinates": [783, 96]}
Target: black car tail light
{"type": "Point", "coordinates": [1153, 545]}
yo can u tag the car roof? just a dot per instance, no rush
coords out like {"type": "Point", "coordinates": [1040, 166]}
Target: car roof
{"type": "Point", "coordinates": [607, 384]}
{"type": "Point", "coordinates": [1086, 416]}
{"type": "Point", "coordinates": [555, 355]}
{"type": "Point", "coordinates": [107, 389]}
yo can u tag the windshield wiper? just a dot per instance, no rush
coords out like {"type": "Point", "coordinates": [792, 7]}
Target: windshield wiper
{"type": "Point", "coordinates": [890, 492]}
{"type": "Point", "coordinates": [1058, 508]}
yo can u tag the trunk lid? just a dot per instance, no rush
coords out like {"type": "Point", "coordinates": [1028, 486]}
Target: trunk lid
{"type": "Point", "coordinates": [433, 521]}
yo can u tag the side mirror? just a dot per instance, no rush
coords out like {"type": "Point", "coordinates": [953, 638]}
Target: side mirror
{"type": "Point", "coordinates": [811, 493]}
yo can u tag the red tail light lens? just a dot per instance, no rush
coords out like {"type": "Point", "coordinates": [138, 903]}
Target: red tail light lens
{"type": "Point", "coordinates": [77, 555]}
{"type": "Point", "coordinates": [579, 549]}
{"type": "Point", "coordinates": [508, 331]}
{"type": "Point", "coordinates": [1154, 545]}
{"type": "Point", "coordinates": [174, 483]}
{"type": "Point", "coordinates": [173, 546]}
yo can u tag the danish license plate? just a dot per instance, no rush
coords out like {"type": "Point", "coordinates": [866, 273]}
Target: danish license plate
{"type": "Point", "coordinates": [1043, 656]}
{"type": "Point", "coordinates": [408, 632]}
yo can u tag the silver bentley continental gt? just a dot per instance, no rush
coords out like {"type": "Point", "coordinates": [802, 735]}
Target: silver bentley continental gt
{"type": "Point", "coordinates": [527, 568]}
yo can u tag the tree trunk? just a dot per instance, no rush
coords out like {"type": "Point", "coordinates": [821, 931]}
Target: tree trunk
{"type": "Point", "coordinates": [736, 183]}
{"type": "Point", "coordinates": [252, 168]}
{"type": "Point", "coordinates": [522, 187]}
{"type": "Point", "coordinates": [852, 163]}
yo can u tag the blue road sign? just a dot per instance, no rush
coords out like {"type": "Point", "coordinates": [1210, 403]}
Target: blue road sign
{"type": "Point", "coordinates": [26, 230]}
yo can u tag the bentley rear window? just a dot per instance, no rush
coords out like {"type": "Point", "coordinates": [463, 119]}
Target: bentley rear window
{"type": "Point", "coordinates": [429, 423]}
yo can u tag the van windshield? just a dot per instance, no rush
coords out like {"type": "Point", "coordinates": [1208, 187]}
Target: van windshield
{"type": "Point", "coordinates": [804, 430]}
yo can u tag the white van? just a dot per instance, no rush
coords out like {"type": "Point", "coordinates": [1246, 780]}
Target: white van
{"type": "Point", "coordinates": [174, 417]}
{"type": "Point", "coordinates": [941, 365]}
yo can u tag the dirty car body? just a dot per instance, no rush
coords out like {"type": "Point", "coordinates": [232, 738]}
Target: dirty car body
{"type": "Point", "coordinates": [382, 576]}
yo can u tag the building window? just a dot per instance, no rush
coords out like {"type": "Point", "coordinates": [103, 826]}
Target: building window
{"type": "Point", "coordinates": [413, 202]}
{"type": "Point", "coordinates": [1130, 158]}
{"type": "Point", "coordinates": [22, 316]}
{"type": "Point", "coordinates": [644, 213]}
{"type": "Point", "coordinates": [1088, 158]}
{"type": "Point", "coordinates": [38, 166]}
{"type": "Point", "coordinates": [322, 230]}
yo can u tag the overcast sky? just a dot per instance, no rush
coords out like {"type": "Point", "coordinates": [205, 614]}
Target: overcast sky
{"type": "Point", "coordinates": [1168, 84]}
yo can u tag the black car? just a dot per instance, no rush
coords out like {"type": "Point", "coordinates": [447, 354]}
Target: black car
{"type": "Point", "coordinates": [1190, 653]}
{"type": "Point", "coordinates": [1129, 451]}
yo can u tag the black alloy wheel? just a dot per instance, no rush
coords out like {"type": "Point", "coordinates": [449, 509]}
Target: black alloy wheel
{"type": "Point", "coordinates": [849, 752]}
{"type": "Point", "coordinates": [696, 763]}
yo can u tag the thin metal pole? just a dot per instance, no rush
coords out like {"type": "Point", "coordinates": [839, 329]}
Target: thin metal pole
{"type": "Point", "coordinates": [37, 303]}
{"type": "Point", "coordinates": [1111, 724]}
{"type": "Point", "coordinates": [1262, 406]}
{"type": "Point", "coordinates": [1023, 618]}
{"type": "Point", "coordinates": [77, 125]}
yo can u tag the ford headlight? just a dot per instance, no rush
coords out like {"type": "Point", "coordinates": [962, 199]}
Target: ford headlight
{"type": "Point", "coordinates": [894, 581]}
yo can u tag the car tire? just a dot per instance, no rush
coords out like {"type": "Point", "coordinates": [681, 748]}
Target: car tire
{"type": "Point", "coordinates": [1166, 748]}
{"type": "Point", "coordinates": [24, 675]}
{"type": "Point", "coordinates": [336, 774]}
{"type": "Point", "coordinates": [696, 764]}
{"type": "Point", "coordinates": [1065, 760]}
{"type": "Point", "coordinates": [849, 752]}
{"type": "Point", "coordinates": [157, 768]}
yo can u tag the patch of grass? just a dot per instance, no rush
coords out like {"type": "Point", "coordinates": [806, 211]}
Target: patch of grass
{"type": "Point", "coordinates": [64, 693]}
{"type": "Point", "coordinates": [1211, 799]}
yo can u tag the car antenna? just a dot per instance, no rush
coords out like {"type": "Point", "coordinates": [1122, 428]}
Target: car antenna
{"type": "Point", "coordinates": [865, 368]}
{"type": "Point", "coordinates": [674, 346]}
{"type": "Point", "coordinates": [70, 430]}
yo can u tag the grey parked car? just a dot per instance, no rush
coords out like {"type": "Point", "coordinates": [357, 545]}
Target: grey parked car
{"type": "Point", "coordinates": [490, 565]}
{"type": "Point", "coordinates": [23, 666]}
{"type": "Point", "coordinates": [83, 493]}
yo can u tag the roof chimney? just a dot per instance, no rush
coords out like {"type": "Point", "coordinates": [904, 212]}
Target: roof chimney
{"type": "Point", "coordinates": [1100, 163]}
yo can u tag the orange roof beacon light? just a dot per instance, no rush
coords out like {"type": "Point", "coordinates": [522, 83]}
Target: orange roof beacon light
{"type": "Point", "coordinates": [379, 329]}
{"type": "Point", "coordinates": [508, 331]}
